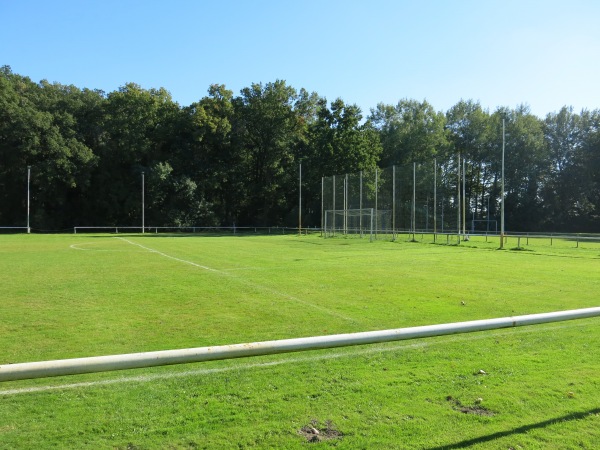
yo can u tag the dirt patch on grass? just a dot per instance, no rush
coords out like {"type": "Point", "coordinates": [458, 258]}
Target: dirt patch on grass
{"type": "Point", "coordinates": [476, 409]}
{"type": "Point", "coordinates": [317, 432]}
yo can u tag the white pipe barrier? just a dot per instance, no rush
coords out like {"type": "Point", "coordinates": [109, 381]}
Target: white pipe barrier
{"type": "Point", "coordinates": [42, 369]}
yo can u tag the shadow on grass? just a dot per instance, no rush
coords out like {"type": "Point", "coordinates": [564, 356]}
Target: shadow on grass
{"type": "Point", "coordinates": [519, 430]}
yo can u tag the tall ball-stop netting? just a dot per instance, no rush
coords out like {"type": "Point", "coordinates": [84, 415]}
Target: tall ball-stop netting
{"type": "Point", "coordinates": [408, 199]}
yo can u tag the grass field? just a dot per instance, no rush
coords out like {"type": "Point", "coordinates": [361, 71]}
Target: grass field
{"type": "Point", "coordinates": [66, 296]}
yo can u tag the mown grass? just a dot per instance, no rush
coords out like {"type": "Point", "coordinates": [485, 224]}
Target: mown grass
{"type": "Point", "coordinates": [82, 295]}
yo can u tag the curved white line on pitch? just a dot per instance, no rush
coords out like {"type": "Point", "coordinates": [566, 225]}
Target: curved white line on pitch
{"type": "Point", "coordinates": [341, 353]}
{"type": "Point", "coordinates": [79, 245]}
{"type": "Point", "coordinates": [76, 246]}
{"type": "Point", "coordinates": [247, 283]}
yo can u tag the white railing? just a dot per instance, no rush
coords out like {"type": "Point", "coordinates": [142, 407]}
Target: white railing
{"type": "Point", "coordinates": [42, 369]}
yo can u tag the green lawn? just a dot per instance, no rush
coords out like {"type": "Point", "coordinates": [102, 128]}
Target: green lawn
{"type": "Point", "coordinates": [66, 296]}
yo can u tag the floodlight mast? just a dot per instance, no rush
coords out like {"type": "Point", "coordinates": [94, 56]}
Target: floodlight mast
{"type": "Point", "coordinates": [143, 204]}
{"type": "Point", "coordinates": [28, 197]}
{"type": "Point", "coordinates": [394, 202]}
{"type": "Point", "coordinates": [458, 198]}
{"type": "Point", "coordinates": [333, 192]}
{"type": "Point", "coordinates": [464, 199]}
{"type": "Point", "coordinates": [300, 201]}
{"type": "Point", "coordinates": [413, 221]}
{"type": "Point", "coordinates": [502, 193]}
{"type": "Point", "coordinates": [434, 199]}
{"type": "Point", "coordinates": [322, 206]}
{"type": "Point", "coordinates": [360, 203]}
{"type": "Point", "coordinates": [376, 203]}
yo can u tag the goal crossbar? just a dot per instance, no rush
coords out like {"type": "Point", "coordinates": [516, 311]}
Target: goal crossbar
{"type": "Point", "coordinates": [349, 221]}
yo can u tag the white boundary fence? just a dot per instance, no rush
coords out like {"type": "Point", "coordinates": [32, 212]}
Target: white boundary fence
{"type": "Point", "coordinates": [43, 369]}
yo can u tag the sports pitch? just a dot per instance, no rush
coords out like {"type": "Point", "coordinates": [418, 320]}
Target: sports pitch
{"type": "Point", "coordinates": [68, 296]}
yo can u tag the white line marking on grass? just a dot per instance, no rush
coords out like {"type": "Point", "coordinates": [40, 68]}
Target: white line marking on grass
{"type": "Point", "coordinates": [151, 250]}
{"type": "Point", "coordinates": [188, 373]}
{"type": "Point", "coordinates": [76, 246]}
{"type": "Point", "coordinates": [247, 283]}
{"type": "Point", "coordinates": [348, 352]}
{"type": "Point", "coordinates": [81, 244]}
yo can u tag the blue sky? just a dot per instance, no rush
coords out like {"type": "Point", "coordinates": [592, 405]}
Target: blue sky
{"type": "Point", "coordinates": [501, 53]}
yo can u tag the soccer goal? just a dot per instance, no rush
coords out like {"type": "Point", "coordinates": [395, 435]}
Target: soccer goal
{"type": "Point", "coordinates": [484, 226]}
{"type": "Point", "coordinates": [357, 222]}
{"type": "Point", "coordinates": [349, 222]}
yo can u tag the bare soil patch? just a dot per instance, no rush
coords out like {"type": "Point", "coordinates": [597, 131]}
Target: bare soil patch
{"type": "Point", "coordinates": [317, 432]}
{"type": "Point", "coordinates": [474, 409]}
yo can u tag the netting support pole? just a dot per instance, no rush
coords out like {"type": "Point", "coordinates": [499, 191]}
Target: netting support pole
{"type": "Point", "coordinates": [502, 192]}
{"type": "Point", "coordinates": [413, 221]}
{"type": "Point", "coordinates": [143, 204]}
{"type": "Point", "coordinates": [371, 237]}
{"type": "Point", "coordinates": [360, 202]}
{"type": "Point", "coordinates": [394, 202]}
{"type": "Point", "coordinates": [464, 199]}
{"type": "Point", "coordinates": [458, 197]}
{"type": "Point", "coordinates": [346, 204]}
{"type": "Point", "coordinates": [300, 200]}
{"type": "Point", "coordinates": [333, 223]}
{"type": "Point", "coordinates": [322, 206]}
{"type": "Point", "coordinates": [28, 197]}
{"type": "Point", "coordinates": [376, 192]}
{"type": "Point", "coordinates": [434, 199]}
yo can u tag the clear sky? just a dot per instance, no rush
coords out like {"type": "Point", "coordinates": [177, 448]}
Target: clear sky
{"type": "Point", "coordinates": [542, 53]}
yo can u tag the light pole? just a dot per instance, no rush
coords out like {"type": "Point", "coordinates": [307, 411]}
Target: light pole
{"type": "Point", "coordinates": [502, 193]}
{"type": "Point", "coordinates": [143, 205]}
{"type": "Point", "coordinates": [488, 215]}
{"type": "Point", "coordinates": [443, 215]}
{"type": "Point", "coordinates": [28, 196]}
{"type": "Point", "coordinates": [300, 201]}
{"type": "Point", "coordinates": [434, 199]}
{"type": "Point", "coordinates": [464, 200]}
{"type": "Point", "coordinates": [458, 200]}
{"type": "Point", "coordinates": [413, 224]}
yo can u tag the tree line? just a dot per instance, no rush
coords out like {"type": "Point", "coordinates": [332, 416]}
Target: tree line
{"type": "Point", "coordinates": [229, 159]}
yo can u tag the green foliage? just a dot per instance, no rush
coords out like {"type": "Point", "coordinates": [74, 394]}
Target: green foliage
{"type": "Point", "coordinates": [229, 159]}
{"type": "Point", "coordinates": [410, 132]}
{"type": "Point", "coordinates": [340, 143]}
{"type": "Point", "coordinates": [38, 128]}
{"type": "Point", "coordinates": [268, 132]}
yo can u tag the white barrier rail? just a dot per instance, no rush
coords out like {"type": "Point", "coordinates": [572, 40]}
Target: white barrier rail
{"type": "Point", "coordinates": [42, 369]}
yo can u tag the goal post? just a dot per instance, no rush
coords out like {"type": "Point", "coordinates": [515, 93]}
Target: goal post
{"type": "Point", "coordinates": [357, 222]}
{"type": "Point", "coordinates": [484, 226]}
{"type": "Point", "coordinates": [349, 222]}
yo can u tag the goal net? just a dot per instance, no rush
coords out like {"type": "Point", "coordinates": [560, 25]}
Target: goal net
{"type": "Point", "coordinates": [357, 222]}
